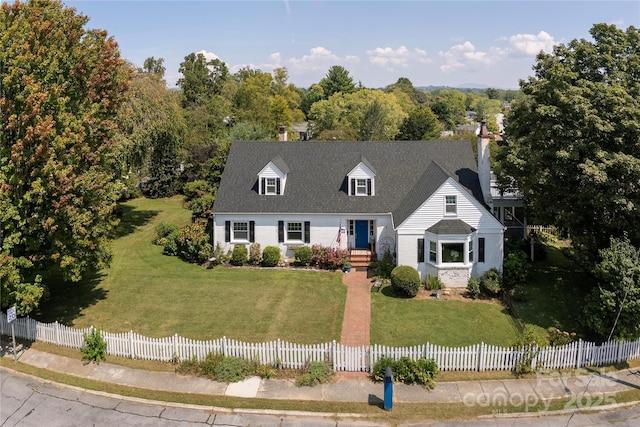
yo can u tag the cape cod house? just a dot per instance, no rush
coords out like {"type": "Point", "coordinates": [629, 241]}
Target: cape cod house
{"type": "Point", "coordinates": [422, 201]}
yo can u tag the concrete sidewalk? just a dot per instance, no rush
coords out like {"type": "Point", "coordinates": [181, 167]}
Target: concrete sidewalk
{"type": "Point", "coordinates": [581, 387]}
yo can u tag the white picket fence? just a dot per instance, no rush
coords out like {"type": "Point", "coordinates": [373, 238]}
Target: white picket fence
{"type": "Point", "coordinates": [478, 357]}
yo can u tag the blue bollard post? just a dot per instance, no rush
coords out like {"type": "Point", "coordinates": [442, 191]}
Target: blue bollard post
{"type": "Point", "coordinates": [388, 389]}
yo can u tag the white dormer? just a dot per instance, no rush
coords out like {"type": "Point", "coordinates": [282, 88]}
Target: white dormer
{"type": "Point", "coordinates": [273, 177]}
{"type": "Point", "coordinates": [361, 179]}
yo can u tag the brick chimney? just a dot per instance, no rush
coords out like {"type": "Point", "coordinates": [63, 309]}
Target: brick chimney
{"type": "Point", "coordinates": [484, 166]}
{"type": "Point", "coordinates": [282, 133]}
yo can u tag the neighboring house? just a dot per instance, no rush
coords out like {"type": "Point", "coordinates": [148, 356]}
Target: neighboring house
{"type": "Point", "coordinates": [422, 201]}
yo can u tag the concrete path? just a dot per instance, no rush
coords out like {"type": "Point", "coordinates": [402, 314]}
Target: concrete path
{"type": "Point", "coordinates": [357, 309]}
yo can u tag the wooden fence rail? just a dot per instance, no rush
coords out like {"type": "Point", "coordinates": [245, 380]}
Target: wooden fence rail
{"type": "Point", "coordinates": [477, 357]}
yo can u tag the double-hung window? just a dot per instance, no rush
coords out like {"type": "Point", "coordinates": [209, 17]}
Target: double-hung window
{"type": "Point", "coordinates": [361, 187]}
{"type": "Point", "coordinates": [450, 206]}
{"type": "Point", "coordinates": [270, 186]}
{"type": "Point", "coordinates": [240, 231]}
{"type": "Point", "coordinates": [294, 231]}
{"type": "Point", "coordinates": [433, 251]}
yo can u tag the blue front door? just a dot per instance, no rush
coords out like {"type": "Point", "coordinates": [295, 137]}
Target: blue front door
{"type": "Point", "coordinates": [362, 234]}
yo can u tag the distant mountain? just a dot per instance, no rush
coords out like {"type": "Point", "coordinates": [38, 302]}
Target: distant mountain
{"type": "Point", "coordinates": [462, 88]}
{"type": "Point", "coordinates": [472, 86]}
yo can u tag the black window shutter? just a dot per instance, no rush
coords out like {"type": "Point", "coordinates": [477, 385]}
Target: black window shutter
{"type": "Point", "coordinates": [481, 249]}
{"type": "Point", "coordinates": [277, 185]}
{"type": "Point", "coordinates": [227, 231]}
{"type": "Point", "coordinates": [263, 186]}
{"type": "Point", "coordinates": [368, 187]}
{"type": "Point", "coordinates": [420, 250]}
{"type": "Point", "coordinates": [252, 231]}
{"type": "Point", "coordinates": [280, 231]}
{"type": "Point", "coordinates": [353, 187]}
{"type": "Point", "coordinates": [307, 232]}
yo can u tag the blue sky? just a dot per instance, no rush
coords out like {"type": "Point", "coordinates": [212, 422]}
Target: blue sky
{"type": "Point", "coordinates": [452, 43]}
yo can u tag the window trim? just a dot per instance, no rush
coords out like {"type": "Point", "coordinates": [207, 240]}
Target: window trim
{"type": "Point", "coordinates": [467, 242]}
{"type": "Point", "coordinates": [451, 208]}
{"type": "Point", "coordinates": [234, 231]}
{"type": "Point", "coordinates": [283, 232]}
{"type": "Point", "coordinates": [230, 232]}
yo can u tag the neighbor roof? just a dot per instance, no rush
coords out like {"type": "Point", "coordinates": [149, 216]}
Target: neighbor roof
{"type": "Point", "coordinates": [407, 173]}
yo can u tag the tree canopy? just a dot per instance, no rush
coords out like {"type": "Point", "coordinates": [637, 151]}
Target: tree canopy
{"type": "Point", "coordinates": [574, 138]}
{"type": "Point", "coordinates": [337, 80]}
{"type": "Point", "coordinates": [62, 86]}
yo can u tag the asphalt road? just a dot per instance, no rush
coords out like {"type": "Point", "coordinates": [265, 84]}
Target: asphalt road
{"type": "Point", "coordinates": [31, 402]}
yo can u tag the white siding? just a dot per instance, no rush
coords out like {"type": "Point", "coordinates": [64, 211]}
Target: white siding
{"type": "Point", "coordinates": [324, 229]}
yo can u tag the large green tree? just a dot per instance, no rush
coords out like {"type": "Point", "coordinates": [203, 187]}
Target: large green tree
{"type": "Point", "coordinates": [574, 138]}
{"type": "Point", "coordinates": [60, 89]}
{"type": "Point", "coordinates": [420, 124]}
{"type": "Point", "coordinates": [337, 80]}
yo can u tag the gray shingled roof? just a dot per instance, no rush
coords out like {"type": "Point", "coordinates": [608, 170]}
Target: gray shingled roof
{"type": "Point", "coordinates": [451, 226]}
{"type": "Point", "coordinates": [407, 173]}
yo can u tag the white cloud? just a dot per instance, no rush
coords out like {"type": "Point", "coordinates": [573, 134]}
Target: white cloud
{"type": "Point", "coordinates": [532, 44]}
{"type": "Point", "coordinates": [320, 58]}
{"type": "Point", "coordinates": [209, 56]}
{"type": "Point", "coordinates": [399, 58]}
{"type": "Point", "coordinates": [465, 55]}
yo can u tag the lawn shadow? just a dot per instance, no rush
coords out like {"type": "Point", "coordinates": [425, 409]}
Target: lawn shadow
{"type": "Point", "coordinates": [67, 299]}
{"type": "Point", "coordinates": [130, 219]}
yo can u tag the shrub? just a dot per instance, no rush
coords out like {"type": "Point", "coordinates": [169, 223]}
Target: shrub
{"type": "Point", "coordinates": [422, 371]}
{"type": "Point", "coordinates": [271, 256]}
{"type": "Point", "coordinates": [386, 265]}
{"type": "Point", "coordinates": [558, 338]}
{"type": "Point", "coordinates": [530, 341]}
{"type": "Point", "coordinates": [193, 243]}
{"type": "Point", "coordinates": [405, 281]}
{"type": "Point", "coordinates": [195, 189]}
{"type": "Point", "coordinates": [433, 283]}
{"type": "Point", "coordinates": [188, 366]}
{"type": "Point", "coordinates": [519, 294]}
{"type": "Point", "coordinates": [328, 258]}
{"type": "Point", "coordinates": [163, 230]}
{"type": "Point", "coordinates": [303, 255]}
{"type": "Point", "coordinates": [239, 255]}
{"type": "Point", "coordinates": [316, 373]}
{"type": "Point", "coordinates": [171, 245]}
{"type": "Point", "coordinates": [201, 206]}
{"type": "Point", "coordinates": [255, 254]}
{"type": "Point", "coordinates": [219, 255]}
{"type": "Point", "coordinates": [95, 347]}
{"type": "Point", "coordinates": [473, 288]}
{"type": "Point", "coordinates": [232, 369]}
{"type": "Point", "coordinates": [490, 283]}
{"type": "Point", "coordinates": [265, 371]}
{"type": "Point", "coordinates": [515, 270]}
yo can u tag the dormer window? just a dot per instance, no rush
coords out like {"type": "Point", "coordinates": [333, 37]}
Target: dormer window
{"type": "Point", "coordinates": [273, 177]}
{"type": "Point", "coordinates": [361, 180]}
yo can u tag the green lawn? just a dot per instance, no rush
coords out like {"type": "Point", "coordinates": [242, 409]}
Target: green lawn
{"type": "Point", "coordinates": [555, 293]}
{"type": "Point", "coordinates": [157, 295]}
{"type": "Point", "coordinates": [406, 322]}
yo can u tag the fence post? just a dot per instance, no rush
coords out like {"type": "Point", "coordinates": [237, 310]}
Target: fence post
{"type": "Point", "coordinates": [334, 355]}
{"type": "Point", "coordinates": [175, 349]}
{"type": "Point", "coordinates": [482, 357]}
{"type": "Point", "coordinates": [131, 351]}
{"type": "Point", "coordinates": [224, 346]}
{"type": "Point", "coordinates": [57, 333]}
{"type": "Point", "coordinates": [579, 355]}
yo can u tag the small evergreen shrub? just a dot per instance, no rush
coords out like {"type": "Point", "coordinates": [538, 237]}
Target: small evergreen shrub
{"type": "Point", "coordinates": [219, 255]}
{"type": "Point", "coordinates": [473, 288]}
{"type": "Point", "coordinates": [303, 255]}
{"type": "Point", "coordinates": [163, 230]}
{"type": "Point", "coordinates": [171, 245]}
{"type": "Point", "coordinates": [239, 255]}
{"type": "Point", "coordinates": [255, 254]}
{"type": "Point", "coordinates": [386, 265]}
{"type": "Point", "coordinates": [490, 283]}
{"type": "Point", "coordinates": [405, 281]}
{"type": "Point", "coordinates": [316, 373]}
{"type": "Point", "coordinates": [95, 347]}
{"type": "Point", "coordinates": [271, 256]}
{"type": "Point", "coordinates": [433, 283]}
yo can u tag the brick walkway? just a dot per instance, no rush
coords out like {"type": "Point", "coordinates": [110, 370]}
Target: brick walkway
{"type": "Point", "coordinates": [357, 310]}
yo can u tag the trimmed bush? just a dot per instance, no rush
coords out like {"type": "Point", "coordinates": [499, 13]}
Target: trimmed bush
{"type": "Point", "coordinates": [490, 283]}
{"type": "Point", "coordinates": [239, 255]}
{"type": "Point", "coordinates": [303, 255]}
{"type": "Point", "coordinates": [271, 256]}
{"type": "Point", "coordinates": [327, 258]}
{"type": "Point", "coordinates": [193, 243]}
{"type": "Point", "coordinates": [405, 281]}
{"type": "Point", "coordinates": [473, 288]}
